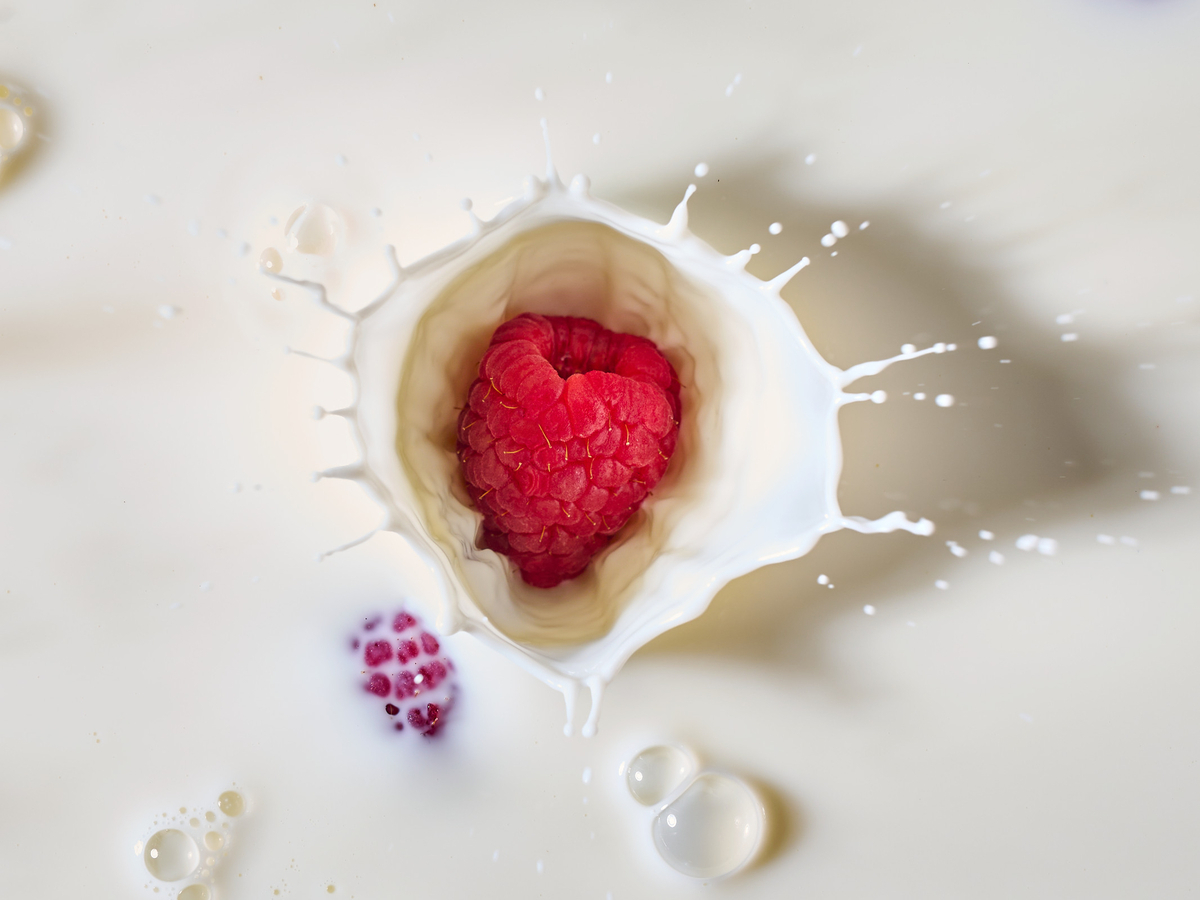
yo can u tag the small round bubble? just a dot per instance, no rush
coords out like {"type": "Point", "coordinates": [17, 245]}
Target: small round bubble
{"type": "Point", "coordinates": [231, 803]}
{"type": "Point", "coordinates": [171, 854]}
{"type": "Point", "coordinates": [712, 829]}
{"type": "Point", "coordinates": [194, 892]}
{"type": "Point", "coordinates": [655, 772]}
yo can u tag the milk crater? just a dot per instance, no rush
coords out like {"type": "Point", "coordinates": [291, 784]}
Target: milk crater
{"type": "Point", "coordinates": [759, 453]}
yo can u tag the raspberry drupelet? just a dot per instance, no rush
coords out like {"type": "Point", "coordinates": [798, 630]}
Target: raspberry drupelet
{"type": "Point", "coordinates": [567, 429]}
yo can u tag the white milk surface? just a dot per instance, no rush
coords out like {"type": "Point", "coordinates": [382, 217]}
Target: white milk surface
{"type": "Point", "coordinates": [918, 718]}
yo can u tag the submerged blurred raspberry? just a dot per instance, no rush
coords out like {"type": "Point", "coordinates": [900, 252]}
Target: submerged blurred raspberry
{"type": "Point", "coordinates": [404, 665]}
{"type": "Point", "coordinates": [567, 429]}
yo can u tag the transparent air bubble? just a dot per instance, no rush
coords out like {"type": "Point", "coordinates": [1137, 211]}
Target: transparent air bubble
{"type": "Point", "coordinates": [231, 803]}
{"type": "Point", "coordinates": [656, 772]}
{"type": "Point", "coordinates": [171, 855]}
{"type": "Point", "coordinates": [213, 840]}
{"type": "Point", "coordinates": [194, 892]}
{"type": "Point", "coordinates": [712, 829]}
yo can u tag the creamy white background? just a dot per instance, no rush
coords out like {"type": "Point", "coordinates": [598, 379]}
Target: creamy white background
{"type": "Point", "coordinates": [1033, 731]}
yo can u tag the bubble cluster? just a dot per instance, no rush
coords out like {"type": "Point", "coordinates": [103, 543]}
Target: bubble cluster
{"type": "Point", "coordinates": [188, 846]}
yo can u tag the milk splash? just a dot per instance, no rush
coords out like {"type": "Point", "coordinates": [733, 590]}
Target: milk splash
{"type": "Point", "coordinates": [756, 474]}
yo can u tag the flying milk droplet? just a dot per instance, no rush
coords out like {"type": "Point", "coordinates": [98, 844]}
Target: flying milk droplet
{"type": "Point", "coordinates": [701, 170]}
{"type": "Point", "coordinates": [270, 260]}
{"type": "Point", "coordinates": [312, 229]}
{"type": "Point", "coordinates": [987, 342]}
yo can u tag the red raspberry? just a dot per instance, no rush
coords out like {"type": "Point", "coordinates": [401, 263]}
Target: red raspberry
{"type": "Point", "coordinates": [403, 664]}
{"type": "Point", "coordinates": [568, 428]}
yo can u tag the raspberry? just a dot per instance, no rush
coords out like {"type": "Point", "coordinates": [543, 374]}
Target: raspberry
{"type": "Point", "coordinates": [404, 665]}
{"type": "Point", "coordinates": [566, 431]}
